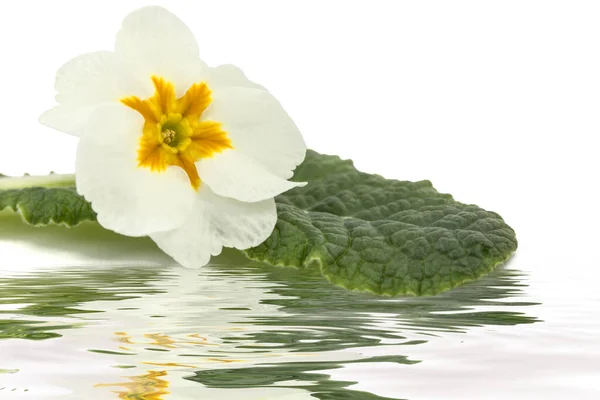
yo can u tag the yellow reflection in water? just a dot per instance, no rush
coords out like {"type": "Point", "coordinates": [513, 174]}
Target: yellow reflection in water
{"type": "Point", "coordinates": [123, 337]}
{"type": "Point", "coordinates": [162, 340]}
{"type": "Point", "coordinates": [224, 360]}
{"type": "Point", "coordinates": [143, 387]}
{"type": "Point", "coordinates": [169, 364]}
{"type": "Point", "coordinates": [203, 341]}
{"type": "Point", "coordinates": [151, 386]}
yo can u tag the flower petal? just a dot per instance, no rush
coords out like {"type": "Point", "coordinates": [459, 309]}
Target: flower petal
{"type": "Point", "coordinates": [232, 174]}
{"type": "Point", "coordinates": [216, 222]}
{"type": "Point", "coordinates": [130, 200]}
{"type": "Point", "coordinates": [228, 75]}
{"type": "Point", "coordinates": [67, 118]}
{"type": "Point", "coordinates": [258, 127]}
{"type": "Point", "coordinates": [153, 41]}
{"type": "Point", "coordinates": [86, 82]}
{"type": "Point", "coordinates": [93, 78]}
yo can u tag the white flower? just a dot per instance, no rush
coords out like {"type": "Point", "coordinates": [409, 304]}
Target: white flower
{"type": "Point", "coordinates": [190, 155]}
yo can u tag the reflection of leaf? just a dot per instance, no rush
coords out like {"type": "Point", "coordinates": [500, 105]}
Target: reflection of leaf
{"type": "Point", "coordinates": [292, 314]}
{"type": "Point", "coordinates": [57, 295]}
{"type": "Point", "coordinates": [334, 318]}
{"type": "Point", "coordinates": [361, 231]}
{"type": "Point", "coordinates": [268, 376]}
{"type": "Point", "coordinates": [315, 318]}
{"type": "Point", "coordinates": [23, 329]}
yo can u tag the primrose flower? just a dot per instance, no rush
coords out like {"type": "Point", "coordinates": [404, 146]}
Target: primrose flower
{"type": "Point", "coordinates": [189, 155]}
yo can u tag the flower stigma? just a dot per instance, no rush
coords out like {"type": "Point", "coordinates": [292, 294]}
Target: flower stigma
{"type": "Point", "coordinates": [173, 133]}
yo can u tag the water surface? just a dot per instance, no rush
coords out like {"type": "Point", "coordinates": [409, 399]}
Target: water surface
{"type": "Point", "coordinates": [131, 325]}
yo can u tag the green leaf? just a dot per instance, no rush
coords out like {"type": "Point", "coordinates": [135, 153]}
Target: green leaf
{"type": "Point", "coordinates": [41, 206]}
{"type": "Point", "coordinates": [384, 236]}
{"type": "Point", "coordinates": [362, 231]}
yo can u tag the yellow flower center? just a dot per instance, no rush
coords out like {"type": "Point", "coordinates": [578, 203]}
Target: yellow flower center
{"type": "Point", "coordinates": [173, 134]}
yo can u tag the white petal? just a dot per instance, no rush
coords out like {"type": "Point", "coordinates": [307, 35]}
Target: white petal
{"type": "Point", "coordinates": [258, 127]}
{"type": "Point", "coordinates": [129, 200]}
{"type": "Point", "coordinates": [228, 75]}
{"type": "Point", "coordinates": [93, 78]}
{"type": "Point", "coordinates": [232, 174]}
{"type": "Point", "coordinates": [216, 222]}
{"type": "Point", "coordinates": [86, 82]}
{"type": "Point", "coordinates": [153, 41]}
{"type": "Point", "coordinates": [67, 118]}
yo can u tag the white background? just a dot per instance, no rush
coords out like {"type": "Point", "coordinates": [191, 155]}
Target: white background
{"type": "Point", "coordinates": [496, 102]}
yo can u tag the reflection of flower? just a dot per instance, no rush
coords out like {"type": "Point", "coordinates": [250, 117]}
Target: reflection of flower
{"type": "Point", "coordinates": [143, 387]}
{"type": "Point", "coordinates": [190, 155]}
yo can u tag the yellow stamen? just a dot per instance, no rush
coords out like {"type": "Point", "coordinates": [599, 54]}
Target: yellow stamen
{"type": "Point", "coordinates": [168, 135]}
{"type": "Point", "coordinates": [173, 133]}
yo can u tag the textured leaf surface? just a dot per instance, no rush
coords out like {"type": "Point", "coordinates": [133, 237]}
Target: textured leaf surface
{"type": "Point", "coordinates": [42, 206]}
{"type": "Point", "coordinates": [384, 236]}
{"type": "Point", "coordinates": [362, 231]}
